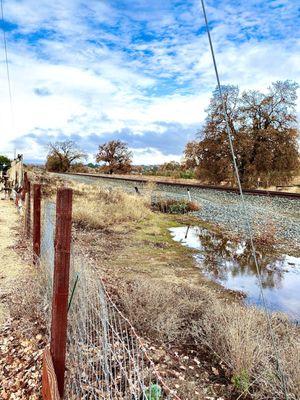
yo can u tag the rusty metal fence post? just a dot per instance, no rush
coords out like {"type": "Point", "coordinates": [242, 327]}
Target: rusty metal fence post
{"type": "Point", "coordinates": [36, 222]}
{"type": "Point", "coordinates": [61, 284]}
{"type": "Point", "coordinates": [28, 209]}
{"type": "Point", "coordinates": [24, 189]}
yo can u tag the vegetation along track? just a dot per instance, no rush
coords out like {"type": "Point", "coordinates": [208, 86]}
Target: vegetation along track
{"type": "Point", "coordinates": [277, 214]}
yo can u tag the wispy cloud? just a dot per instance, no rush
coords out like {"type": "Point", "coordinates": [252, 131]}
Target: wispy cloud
{"type": "Point", "coordinates": [137, 70]}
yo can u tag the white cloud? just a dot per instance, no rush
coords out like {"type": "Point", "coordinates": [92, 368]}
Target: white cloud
{"type": "Point", "coordinates": [97, 72]}
{"type": "Point", "coordinates": [152, 156]}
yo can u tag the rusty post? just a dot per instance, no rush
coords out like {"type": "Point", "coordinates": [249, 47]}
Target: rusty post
{"type": "Point", "coordinates": [61, 284]}
{"type": "Point", "coordinates": [28, 210]}
{"type": "Point", "coordinates": [36, 221]}
{"type": "Point", "coordinates": [24, 189]}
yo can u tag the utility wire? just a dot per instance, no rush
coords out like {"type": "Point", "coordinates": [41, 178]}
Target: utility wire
{"type": "Point", "coordinates": [244, 208]}
{"type": "Point", "coordinates": [7, 62]}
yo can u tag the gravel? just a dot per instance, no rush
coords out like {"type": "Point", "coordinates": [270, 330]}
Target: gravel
{"type": "Point", "coordinates": [225, 210]}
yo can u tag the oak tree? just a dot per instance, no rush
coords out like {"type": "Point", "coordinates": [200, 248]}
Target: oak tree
{"type": "Point", "coordinates": [62, 155]}
{"type": "Point", "coordinates": [263, 127]}
{"type": "Point", "coordinates": [116, 157]}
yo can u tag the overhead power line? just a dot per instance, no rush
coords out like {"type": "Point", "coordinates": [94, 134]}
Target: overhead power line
{"type": "Point", "coordinates": [7, 62]}
{"type": "Point", "coordinates": [244, 208]}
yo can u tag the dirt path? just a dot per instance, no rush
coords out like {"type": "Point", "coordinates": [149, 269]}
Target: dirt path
{"type": "Point", "coordinates": [21, 333]}
{"type": "Point", "coordinates": [11, 265]}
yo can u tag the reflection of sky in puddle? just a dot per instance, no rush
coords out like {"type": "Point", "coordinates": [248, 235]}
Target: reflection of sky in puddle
{"type": "Point", "coordinates": [231, 265]}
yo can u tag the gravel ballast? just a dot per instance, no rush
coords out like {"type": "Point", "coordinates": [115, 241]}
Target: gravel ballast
{"type": "Point", "coordinates": [225, 208]}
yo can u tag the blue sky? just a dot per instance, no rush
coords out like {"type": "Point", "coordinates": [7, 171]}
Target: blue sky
{"type": "Point", "coordinates": [135, 70]}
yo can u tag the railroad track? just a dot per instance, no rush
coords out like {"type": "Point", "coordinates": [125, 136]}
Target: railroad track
{"type": "Point", "coordinates": [254, 192]}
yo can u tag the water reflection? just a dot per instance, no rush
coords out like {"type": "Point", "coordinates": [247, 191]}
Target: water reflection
{"type": "Point", "coordinates": [229, 262]}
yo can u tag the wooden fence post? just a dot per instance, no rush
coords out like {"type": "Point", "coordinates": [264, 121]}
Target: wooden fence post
{"type": "Point", "coordinates": [49, 381]}
{"type": "Point", "coordinates": [36, 221]}
{"type": "Point", "coordinates": [61, 284]}
{"type": "Point", "coordinates": [28, 210]}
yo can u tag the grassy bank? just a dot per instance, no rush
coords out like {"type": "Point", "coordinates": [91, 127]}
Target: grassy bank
{"type": "Point", "coordinates": [157, 284]}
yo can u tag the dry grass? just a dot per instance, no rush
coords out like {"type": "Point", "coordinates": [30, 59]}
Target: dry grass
{"type": "Point", "coordinates": [96, 207]}
{"type": "Point", "coordinates": [100, 208]}
{"type": "Point", "coordinates": [241, 337]}
{"type": "Point", "coordinates": [28, 304]}
{"type": "Point", "coordinates": [238, 335]}
{"type": "Point", "coordinates": [162, 310]}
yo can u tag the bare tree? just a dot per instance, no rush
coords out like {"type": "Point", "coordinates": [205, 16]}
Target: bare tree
{"type": "Point", "coordinates": [116, 156]}
{"type": "Point", "coordinates": [62, 155]}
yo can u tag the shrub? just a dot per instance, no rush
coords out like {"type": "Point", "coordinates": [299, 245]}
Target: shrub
{"type": "Point", "coordinates": [154, 392]}
{"type": "Point", "coordinates": [188, 174]}
{"type": "Point", "coordinates": [78, 167]}
{"type": "Point", "coordinates": [241, 381]}
{"type": "Point", "coordinates": [172, 206]}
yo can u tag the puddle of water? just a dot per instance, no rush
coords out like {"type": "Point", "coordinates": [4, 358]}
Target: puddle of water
{"type": "Point", "coordinates": [230, 264]}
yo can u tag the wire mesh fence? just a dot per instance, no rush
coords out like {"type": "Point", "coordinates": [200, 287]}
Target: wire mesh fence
{"type": "Point", "coordinates": [106, 359]}
{"type": "Point", "coordinates": [47, 256]}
